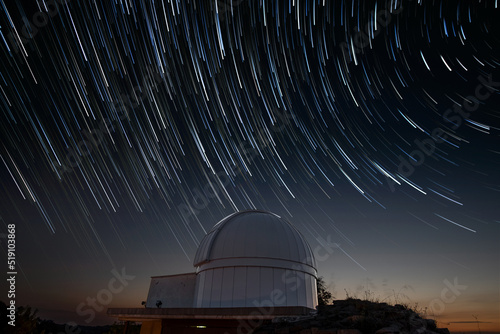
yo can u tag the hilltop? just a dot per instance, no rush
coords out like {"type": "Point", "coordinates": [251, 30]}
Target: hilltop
{"type": "Point", "coordinates": [355, 316]}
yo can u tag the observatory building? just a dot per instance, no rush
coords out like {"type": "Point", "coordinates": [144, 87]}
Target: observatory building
{"type": "Point", "coordinates": [251, 267]}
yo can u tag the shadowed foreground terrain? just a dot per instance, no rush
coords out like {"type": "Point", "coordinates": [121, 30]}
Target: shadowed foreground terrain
{"type": "Point", "coordinates": [350, 316]}
{"type": "Point", "coordinates": [355, 316]}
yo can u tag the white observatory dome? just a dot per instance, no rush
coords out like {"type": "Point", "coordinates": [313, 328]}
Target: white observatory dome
{"type": "Point", "coordinates": [253, 259]}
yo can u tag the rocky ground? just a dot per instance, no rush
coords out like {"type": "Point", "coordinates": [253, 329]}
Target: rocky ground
{"type": "Point", "coordinates": [354, 316]}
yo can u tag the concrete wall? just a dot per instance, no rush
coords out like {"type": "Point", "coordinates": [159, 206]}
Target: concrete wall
{"type": "Point", "coordinates": [172, 291]}
{"type": "Point", "coordinates": [151, 327]}
{"type": "Point", "coordinates": [213, 326]}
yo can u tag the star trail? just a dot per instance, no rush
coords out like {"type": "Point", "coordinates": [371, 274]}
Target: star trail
{"type": "Point", "coordinates": [167, 115]}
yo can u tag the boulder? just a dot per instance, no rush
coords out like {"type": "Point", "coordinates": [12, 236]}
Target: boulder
{"type": "Point", "coordinates": [349, 331]}
{"type": "Point", "coordinates": [389, 330]}
{"type": "Point", "coordinates": [353, 319]}
{"type": "Point", "coordinates": [442, 330]}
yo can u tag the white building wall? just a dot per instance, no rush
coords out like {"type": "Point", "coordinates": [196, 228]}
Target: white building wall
{"type": "Point", "coordinates": [249, 286]}
{"type": "Point", "coordinates": [172, 291]}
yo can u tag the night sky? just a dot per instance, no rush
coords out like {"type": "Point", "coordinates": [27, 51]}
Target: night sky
{"type": "Point", "coordinates": [129, 128]}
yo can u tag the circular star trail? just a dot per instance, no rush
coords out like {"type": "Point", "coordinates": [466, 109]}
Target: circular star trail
{"type": "Point", "coordinates": [190, 109]}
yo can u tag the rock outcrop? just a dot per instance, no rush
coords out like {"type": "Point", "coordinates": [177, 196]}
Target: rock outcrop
{"type": "Point", "coordinates": [354, 316]}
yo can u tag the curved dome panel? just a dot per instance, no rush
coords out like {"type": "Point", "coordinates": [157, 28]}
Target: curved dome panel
{"type": "Point", "coordinates": [254, 234]}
